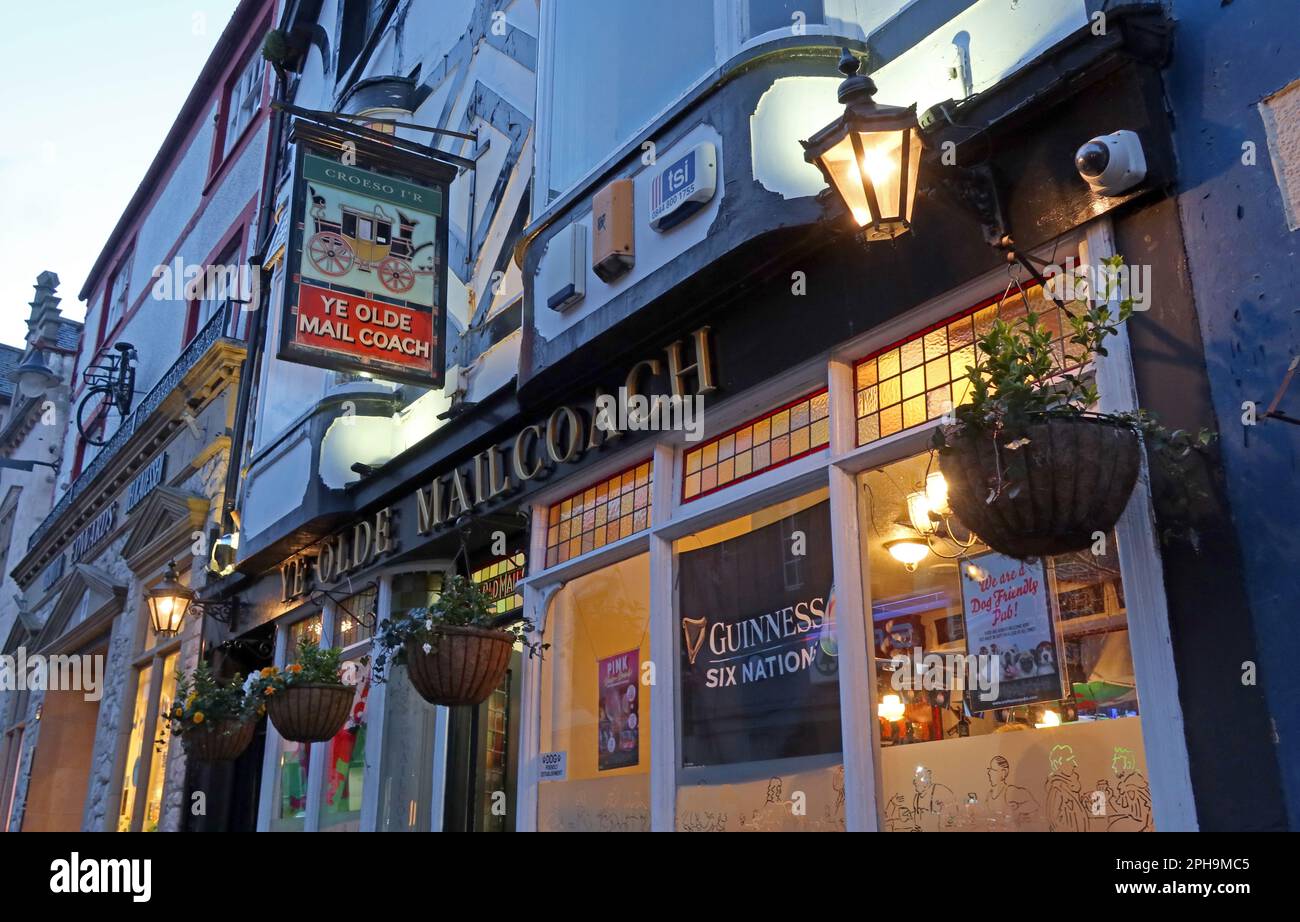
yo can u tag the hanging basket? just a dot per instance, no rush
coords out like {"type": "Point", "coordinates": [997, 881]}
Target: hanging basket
{"type": "Point", "coordinates": [464, 665]}
{"type": "Point", "coordinates": [310, 712]}
{"type": "Point", "coordinates": [221, 741]}
{"type": "Point", "coordinates": [1075, 476]}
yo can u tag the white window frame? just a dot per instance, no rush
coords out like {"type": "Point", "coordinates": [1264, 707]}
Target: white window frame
{"type": "Point", "coordinates": [728, 42]}
{"type": "Point", "coordinates": [243, 102]}
{"type": "Point", "coordinates": [838, 468]}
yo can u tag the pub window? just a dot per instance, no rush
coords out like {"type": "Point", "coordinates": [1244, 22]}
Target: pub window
{"type": "Point", "coordinates": [500, 580]}
{"type": "Point", "coordinates": [345, 754]}
{"type": "Point", "coordinates": [785, 434]}
{"type": "Point", "coordinates": [923, 377]}
{"type": "Point", "coordinates": [410, 725]}
{"type": "Point", "coordinates": [616, 508]}
{"type": "Point", "coordinates": [1006, 689]}
{"type": "Point", "coordinates": [293, 760]}
{"type": "Point", "coordinates": [595, 722]}
{"type": "Point", "coordinates": [758, 688]}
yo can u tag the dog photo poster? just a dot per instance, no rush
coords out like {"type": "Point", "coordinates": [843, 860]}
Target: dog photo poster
{"type": "Point", "coordinates": [1007, 606]}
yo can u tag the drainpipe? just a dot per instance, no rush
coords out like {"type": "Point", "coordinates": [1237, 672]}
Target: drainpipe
{"type": "Point", "coordinates": [252, 361]}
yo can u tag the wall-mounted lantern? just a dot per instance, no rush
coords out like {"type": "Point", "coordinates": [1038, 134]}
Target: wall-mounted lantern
{"type": "Point", "coordinates": [870, 156]}
{"type": "Point", "coordinates": [169, 600]}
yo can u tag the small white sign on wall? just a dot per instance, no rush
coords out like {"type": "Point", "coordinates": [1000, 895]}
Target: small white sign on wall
{"type": "Point", "coordinates": [683, 187]}
{"type": "Point", "coordinates": [554, 766]}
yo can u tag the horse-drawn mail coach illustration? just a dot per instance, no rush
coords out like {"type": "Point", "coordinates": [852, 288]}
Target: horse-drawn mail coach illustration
{"type": "Point", "coordinates": [366, 240]}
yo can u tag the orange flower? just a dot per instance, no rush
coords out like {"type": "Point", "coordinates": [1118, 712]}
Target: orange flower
{"type": "Point", "coordinates": [198, 717]}
{"type": "Point", "coordinates": [269, 671]}
{"type": "Point", "coordinates": [269, 692]}
{"type": "Point", "coordinates": [295, 668]}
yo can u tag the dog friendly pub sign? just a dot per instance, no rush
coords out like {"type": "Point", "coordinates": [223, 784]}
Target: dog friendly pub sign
{"type": "Point", "coordinates": [1008, 614]}
{"type": "Point", "coordinates": [367, 260]}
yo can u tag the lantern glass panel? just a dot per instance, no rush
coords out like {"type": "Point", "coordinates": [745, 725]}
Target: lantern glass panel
{"type": "Point", "coordinates": [841, 163]}
{"type": "Point", "coordinates": [882, 162]}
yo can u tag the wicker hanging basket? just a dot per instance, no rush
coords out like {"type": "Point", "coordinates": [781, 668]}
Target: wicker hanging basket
{"type": "Point", "coordinates": [220, 741]}
{"type": "Point", "coordinates": [310, 712]}
{"type": "Point", "coordinates": [1078, 473]}
{"type": "Point", "coordinates": [463, 666]}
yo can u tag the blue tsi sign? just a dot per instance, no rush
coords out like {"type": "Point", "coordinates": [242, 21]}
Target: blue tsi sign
{"type": "Point", "coordinates": [683, 187]}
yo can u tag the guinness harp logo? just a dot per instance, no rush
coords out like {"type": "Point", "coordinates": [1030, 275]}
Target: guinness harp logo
{"type": "Point", "coordinates": [693, 632]}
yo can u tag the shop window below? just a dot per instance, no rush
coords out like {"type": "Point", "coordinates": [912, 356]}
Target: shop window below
{"type": "Point", "coordinates": [1005, 688]}
{"type": "Point", "coordinates": [406, 762]}
{"type": "Point", "coordinates": [345, 754]}
{"type": "Point", "coordinates": [595, 716]}
{"type": "Point", "coordinates": [293, 761]}
{"type": "Point", "coordinates": [758, 697]}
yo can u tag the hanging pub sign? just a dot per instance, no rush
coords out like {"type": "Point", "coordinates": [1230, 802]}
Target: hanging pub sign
{"type": "Point", "coordinates": [1007, 604]}
{"type": "Point", "coordinates": [759, 662]}
{"type": "Point", "coordinates": [366, 282]}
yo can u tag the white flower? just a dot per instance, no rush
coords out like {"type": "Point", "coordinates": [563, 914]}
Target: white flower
{"type": "Point", "coordinates": [428, 624]}
{"type": "Point", "coordinates": [428, 648]}
{"type": "Point", "coordinates": [248, 682]}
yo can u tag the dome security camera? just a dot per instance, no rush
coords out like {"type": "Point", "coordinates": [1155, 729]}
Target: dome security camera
{"type": "Point", "coordinates": [1113, 163]}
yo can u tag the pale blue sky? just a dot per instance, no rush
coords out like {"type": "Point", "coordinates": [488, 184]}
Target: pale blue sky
{"type": "Point", "coordinates": [91, 88]}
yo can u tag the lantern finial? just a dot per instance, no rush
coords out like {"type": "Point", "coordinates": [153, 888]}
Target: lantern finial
{"type": "Point", "coordinates": [856, 88]}
{"type": "Point", "coordinates": [849, 62]}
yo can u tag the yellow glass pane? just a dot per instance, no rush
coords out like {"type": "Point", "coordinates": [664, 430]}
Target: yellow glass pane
{"type": "Point", "coordinates": [936, 343]}
{"type": "Point", "coordinates": [938, 402]}
{"type": "Point", "coordinates": [891, 420]}
{"type": "Point", "coordinates": [891, 392]}
{"type": "Point", "coordinates": [937, 372]}
{"type": "Point", "coordinates": [799, 441]}
{"type": "Point", "coordinates": [889, 365]}
{"type": "Point", "coordinates": [913, 353]}
{"type": "Point", "coordinates": [914, 411]}
{"type": "Point", "coordinates": [868, 401]}
{"type": "Point", "coordinates": [913, 382]}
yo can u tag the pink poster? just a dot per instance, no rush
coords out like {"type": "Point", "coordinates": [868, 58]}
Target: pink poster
{"type": "Point", "coordinates": [620, 712]}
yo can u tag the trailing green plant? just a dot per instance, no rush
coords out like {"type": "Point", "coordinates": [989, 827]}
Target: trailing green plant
{"type": "Point", "coordinates": [461, 603]}
{"type": "Point", "coordinates": [315, 665]}
{"type": "Point", "coordinates": [1022, 377]}
{"type": "Point", "coordinates": [204, 701]}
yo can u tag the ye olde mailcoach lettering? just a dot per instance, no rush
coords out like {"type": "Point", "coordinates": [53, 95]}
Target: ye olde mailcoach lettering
{"type": "Point", "coordinates": [565, 436]}
{"type": "Point", "coordinates": [343, 553]}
